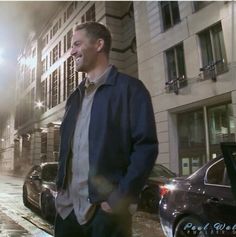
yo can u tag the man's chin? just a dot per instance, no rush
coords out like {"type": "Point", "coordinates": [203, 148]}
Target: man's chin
{"type": "Point", "coordinates": [80, 69]}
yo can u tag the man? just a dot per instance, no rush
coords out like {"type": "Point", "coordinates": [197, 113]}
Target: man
{"type": "Point", "coordinates": [108, 143]}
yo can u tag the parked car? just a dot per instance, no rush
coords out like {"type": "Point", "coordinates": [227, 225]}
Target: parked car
{"type": "Point", "coordinates": [201, 204]}
{"type": "Point", "coordinates": [150, 195]}
{"type": "Point", "coordinates": [39, 188]}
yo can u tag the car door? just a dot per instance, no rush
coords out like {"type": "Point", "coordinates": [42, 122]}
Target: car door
{"type": "Point", "coordinates": [219, 206]}
{"type": "Point", "coordinates": [229, 153]}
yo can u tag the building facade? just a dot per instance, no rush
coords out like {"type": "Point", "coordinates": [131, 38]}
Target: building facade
{"type": "Point", "coordinates": [183, 52]}
{"type": "Point", "coordinates": [47, 76]}
{"type": "Point", "coordinates": [7, 142]}
{"type": "Point", "coordinates": [186, 57]}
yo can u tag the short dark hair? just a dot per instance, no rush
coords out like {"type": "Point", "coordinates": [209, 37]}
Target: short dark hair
{"type": "Point", "coordinates": [96, 31]}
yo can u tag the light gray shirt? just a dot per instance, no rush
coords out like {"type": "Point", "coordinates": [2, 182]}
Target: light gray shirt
{"type": "Point", "coordinates": [76, 196]}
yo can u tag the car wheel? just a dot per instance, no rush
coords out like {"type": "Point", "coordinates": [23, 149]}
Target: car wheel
{"type": "Point", "coordinates": [25, 197]}
{"type": "Point", "coordinates": [45, 207]}
{"type": "Point", "coordinates": [190, 226]}
{"type": "Point", "coordinates": [150, 200]}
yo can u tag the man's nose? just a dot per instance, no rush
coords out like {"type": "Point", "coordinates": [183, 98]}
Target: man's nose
{"type": "Point", "coordinates": [73, 51]}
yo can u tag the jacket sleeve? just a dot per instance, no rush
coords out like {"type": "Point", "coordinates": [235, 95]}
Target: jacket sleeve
{"type": "Point", "coordinates": [144, 148]}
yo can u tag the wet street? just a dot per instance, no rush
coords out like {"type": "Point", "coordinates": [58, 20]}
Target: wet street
{"type": "Point", "coordinates": [16, 220]}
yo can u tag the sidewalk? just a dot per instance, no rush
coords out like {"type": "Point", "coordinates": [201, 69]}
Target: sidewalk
{"type": "Point", "coordinates": [8, 227]}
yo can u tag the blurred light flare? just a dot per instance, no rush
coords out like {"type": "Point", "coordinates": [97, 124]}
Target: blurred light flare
{"type": "Point", "coordinates": [39, 104]}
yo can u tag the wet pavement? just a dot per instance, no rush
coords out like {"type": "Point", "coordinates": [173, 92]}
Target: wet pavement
{"type": "Point", "coordinates": [8, 227]}
{"type": "Point", "coordinates": [18, 221]}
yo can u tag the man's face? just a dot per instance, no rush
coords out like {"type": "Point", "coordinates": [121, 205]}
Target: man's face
{"type": "Point", "coordinates": [84, 51]}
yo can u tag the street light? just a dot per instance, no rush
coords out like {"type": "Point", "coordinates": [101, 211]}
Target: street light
{"type": "Point", "coordinates": [39, 104]}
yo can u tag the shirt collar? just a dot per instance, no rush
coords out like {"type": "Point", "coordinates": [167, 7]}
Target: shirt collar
{"type": "Point", "coordinates": [100, 80]}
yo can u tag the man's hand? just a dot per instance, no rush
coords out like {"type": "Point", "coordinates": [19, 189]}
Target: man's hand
{"type": "Point", "coordinates": [106, 207]}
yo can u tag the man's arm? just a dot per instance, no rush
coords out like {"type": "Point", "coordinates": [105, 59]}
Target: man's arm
{"type": "Point", "coordinates": [144, 148]}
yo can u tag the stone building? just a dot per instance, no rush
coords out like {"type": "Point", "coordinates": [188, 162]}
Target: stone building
{"type": "Point", "coordinates": [46, 73]}
{"type": "Point", "coordinates": [183, 51]}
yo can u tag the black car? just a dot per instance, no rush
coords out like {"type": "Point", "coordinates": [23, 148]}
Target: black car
{"type": "Point", "coordinates": [201, 204]}
{"type": "Point", "coordinates": [150, 195]}
{"type": "Point", "coordinates": [39, 188]}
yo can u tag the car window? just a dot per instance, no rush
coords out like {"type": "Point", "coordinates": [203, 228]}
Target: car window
{"type": "Point", "coordinates": [159, 171]}
{"type": "Point", "coordinates": [215, 174]}
{"type": "Point", "coordinates": [49, 172]}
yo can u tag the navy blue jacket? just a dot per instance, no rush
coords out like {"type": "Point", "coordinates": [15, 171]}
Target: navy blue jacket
{"type": "Point", "coordinates": [123, 144]}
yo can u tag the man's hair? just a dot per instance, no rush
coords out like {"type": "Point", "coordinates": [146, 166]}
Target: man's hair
{"type": "Point", "coordinates": [96, 31]}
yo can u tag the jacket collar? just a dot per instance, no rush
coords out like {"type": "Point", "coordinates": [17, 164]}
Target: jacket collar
{"type": "Point", "coordinates": [111, 78]}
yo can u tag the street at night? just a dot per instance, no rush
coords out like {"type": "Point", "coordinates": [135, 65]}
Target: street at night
{"type": "Point", "coordinates": [18, 221]}
{"type": "Point", "coordinates": [129, 101]}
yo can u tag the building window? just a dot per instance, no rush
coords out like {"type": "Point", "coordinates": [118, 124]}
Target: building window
{"type": "Point", "coordinates": [89, 15]}
{"type": "Point", "coordinates": [200, 4]}
{"type": "Point", "coordinates": [43, 94]}
{"type": "Point", "coordinates": [54, 88]}
{"type": "Point", "coordinates": [70, 76]}
{"type": "Point", "coordinates": [55, 29]}
{"type": "Point", "coordinates": [170, 13]}
{"type": "Point", "coordinates": [70, 10]}
{"type": "Point", "coordinates": [191, 137]}
{"type": "Point", "coordinates": [176, 67]}
{"type": "Point", "coordinates": [213, 50]}
{"type": "Point", "coordinates": [56, 53]}
{"type": "Point", "coordinates": [69, 39]}
{"type": "Point", "coordinates": [221, 127]}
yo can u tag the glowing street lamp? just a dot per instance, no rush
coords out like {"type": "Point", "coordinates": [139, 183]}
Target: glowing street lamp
{"type": "Point", "coordinates": [39, 104]}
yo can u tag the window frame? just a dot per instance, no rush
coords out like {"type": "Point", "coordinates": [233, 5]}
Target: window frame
{"type": "Point", "coordinates": [206, 174]}
{"type": "Point", "coordinates": [209, 30]}
{"type": "Point", "coordinates": [172, 24]}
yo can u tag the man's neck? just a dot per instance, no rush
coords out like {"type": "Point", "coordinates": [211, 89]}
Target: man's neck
{"type": "Point", "coordinates": [97, 71]}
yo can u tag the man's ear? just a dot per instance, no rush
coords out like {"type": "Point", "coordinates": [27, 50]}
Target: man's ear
{"type": "Point", "coordinates": [100, 45]}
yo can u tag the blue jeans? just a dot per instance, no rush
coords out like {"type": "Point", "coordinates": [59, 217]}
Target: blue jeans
{"type": "Point", "coordinates": [102, 224]}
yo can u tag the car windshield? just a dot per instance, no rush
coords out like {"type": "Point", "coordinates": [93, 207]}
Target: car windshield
{"type": "Point", "coordinates": [161, 171]}
{"type": "Point", "coordinates": [49, 172]}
